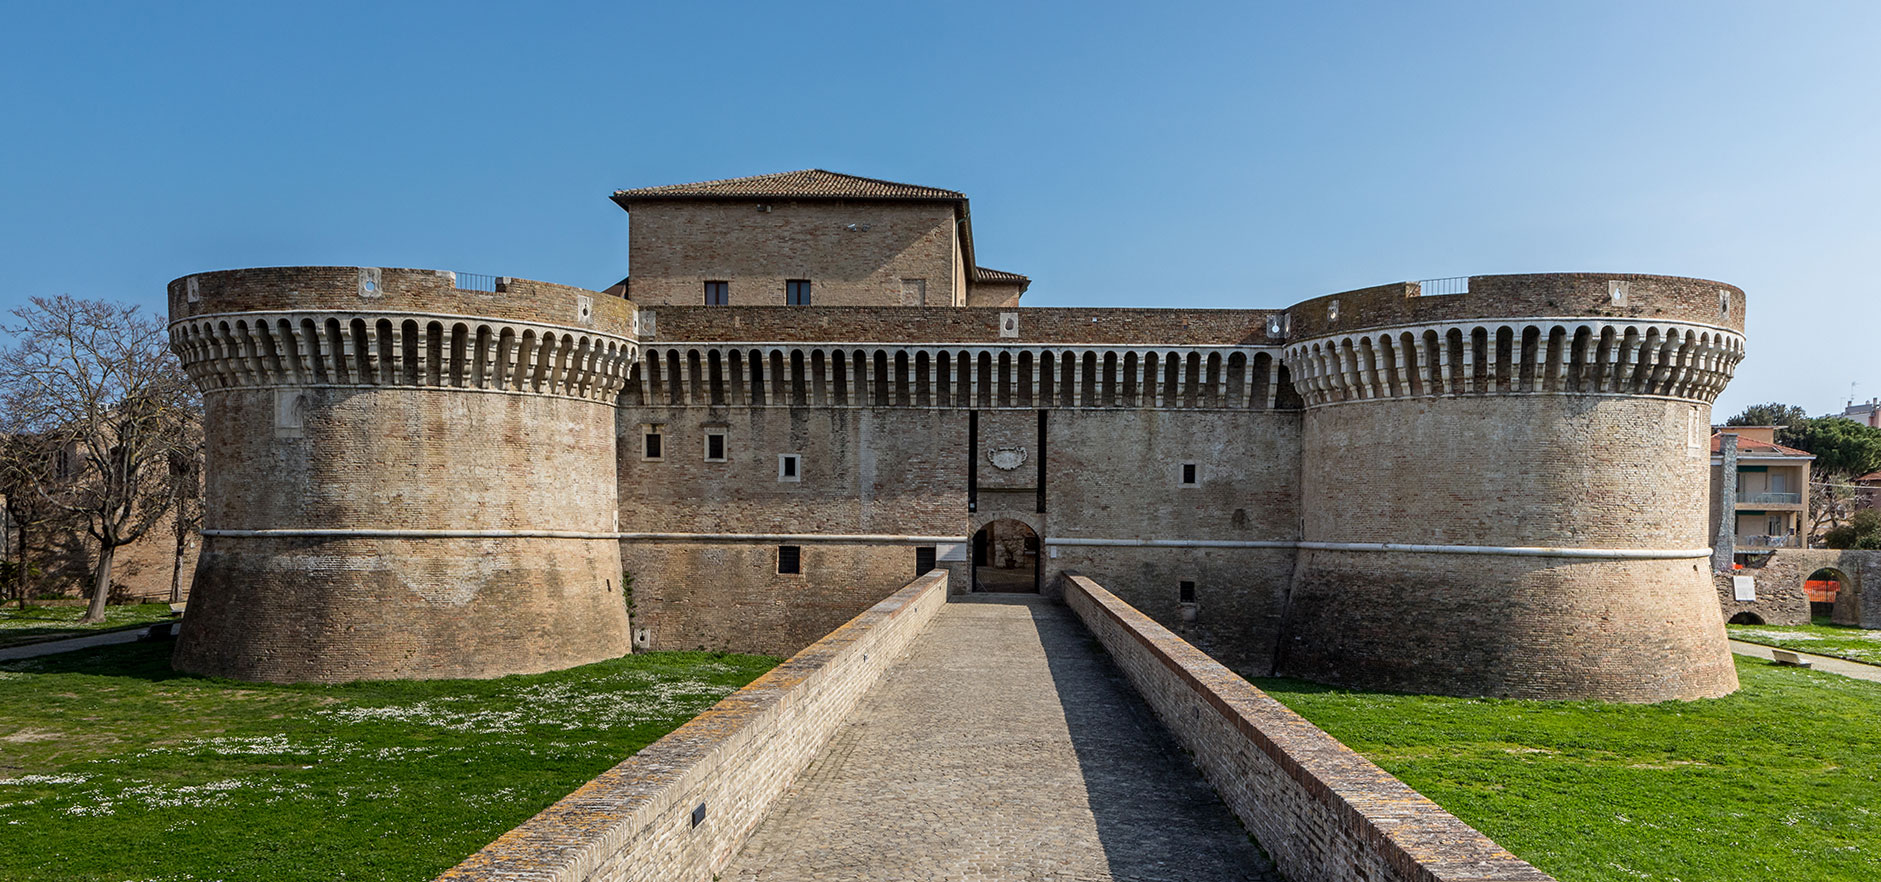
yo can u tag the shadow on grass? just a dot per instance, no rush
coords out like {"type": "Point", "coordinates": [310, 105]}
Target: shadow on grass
{"type": "Point", "coordinates": [144, 660]}
{"type": "Point", "coordinates": [17, 636]}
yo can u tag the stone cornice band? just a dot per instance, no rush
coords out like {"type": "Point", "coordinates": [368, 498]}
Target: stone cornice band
{"type": "Point", "coordinates": [889, 538]}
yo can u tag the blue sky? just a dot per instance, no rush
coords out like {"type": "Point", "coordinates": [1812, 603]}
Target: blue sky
{"type": "Point", "coordinates": [1167, 154]}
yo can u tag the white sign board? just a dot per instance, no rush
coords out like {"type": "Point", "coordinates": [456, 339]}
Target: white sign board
{"type": "Point", "coordinates": [954, 551]}
{"type": "Point", "coordinates": [1745, 587]}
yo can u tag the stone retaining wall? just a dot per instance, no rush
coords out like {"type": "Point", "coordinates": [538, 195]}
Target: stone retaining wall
{"type": "Point", "coordinates": [640, 820]}
{"type": "Point", "coordinates": [1319, 809]}
{"type": "Point", "coordinates": [1778, 578]}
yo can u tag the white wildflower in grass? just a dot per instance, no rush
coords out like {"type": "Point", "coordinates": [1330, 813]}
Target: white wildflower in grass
{"type": "Point", "coordinates": [633, 698]}
{"type": "Point", "coordinates": [46, 779]}
{"type": "Point", "coordinates": [1774, 635]}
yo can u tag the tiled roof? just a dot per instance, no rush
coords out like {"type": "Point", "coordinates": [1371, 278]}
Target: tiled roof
{"type": "Point", "coordinates": [1871, 476]}
{"type": "Point", "coordinates": [982, 274]}
{"type": "Point", "coordinates": [810, 183]}
{"type": "Point", "coordinates": [1753, 447]}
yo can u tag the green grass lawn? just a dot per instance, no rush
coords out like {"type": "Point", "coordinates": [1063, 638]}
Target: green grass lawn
{"type": "Point", "coordinates": [39, 622]}
{"type": "Point", "coordinates": [1780, 781]}
{"type": "Point", "coordinates": [1854, 644]}
{"type": "Point", "coordinates": [113, 767]}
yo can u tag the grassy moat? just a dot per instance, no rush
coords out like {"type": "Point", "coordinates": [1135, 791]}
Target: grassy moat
{"type": "Point", "coordinates": [1780, 781]}
{"type": "Point", "coordinates": [113, 767]}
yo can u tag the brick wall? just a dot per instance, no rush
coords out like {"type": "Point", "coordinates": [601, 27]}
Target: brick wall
{"type": "Point", "coordinates": [1594, 472]}
{"type": "Point", "coordinates": [1648, 298]}
{"type": "Point", "coordinates": [635, 822]}
{"type": "Point", "coordinates": [398, 497]}
{"type": "Point", "coordinates": [1320, 810]}
{"type": "Point", "coordinates": [319, 288]}
{"type": "Point", "coordinates": [885, 324]}
{"type": "Point", "coordinates": [1779, 578]}
{"type": "Point", "coordinates": [342, 608]}
{"type": "Point", "coordinates": [677, 246]}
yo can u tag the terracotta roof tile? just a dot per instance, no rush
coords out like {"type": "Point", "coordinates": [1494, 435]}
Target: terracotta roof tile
{"type": "Point", "coordinates": [1871, 476]}
{"type": "Point", "coordinates": [1756, 448]}
{"type": "Point", "coordinates": [810, 183]}
{"type": "Point", "coordinates": [982, 274]}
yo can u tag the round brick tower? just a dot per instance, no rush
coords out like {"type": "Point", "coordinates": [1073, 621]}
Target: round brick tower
{"type": "Point", "coordinates": [406, 479]}
{"type": "Point", "coordinates": [1505, 488]}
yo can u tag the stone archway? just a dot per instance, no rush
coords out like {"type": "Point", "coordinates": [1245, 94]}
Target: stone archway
{"type": "Point", "coordinates": [1006, 557]}
{"type": "Point", "coordinates": [1824, 587]}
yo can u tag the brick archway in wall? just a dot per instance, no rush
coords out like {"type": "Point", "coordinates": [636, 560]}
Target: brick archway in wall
{"type": "Point", "coordinates": [1824, 607]}
{"type": "Point", "coordinates": [1004, 556]}
{"type": "Point", "coordinates": [1779, 579]}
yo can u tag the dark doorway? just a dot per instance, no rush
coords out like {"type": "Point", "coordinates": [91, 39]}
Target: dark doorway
{"type": "Point", "coordinates": [1746, 618]}
{"type": "Point", "coordinates": [1823, 587]}
{"type": "Point", "coordinates": [1005, 557]}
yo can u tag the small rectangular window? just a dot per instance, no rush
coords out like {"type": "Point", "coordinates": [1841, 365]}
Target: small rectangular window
{"type": "Point", "coordinates": [789, 559]}
{"type": "Point", "coordinates": [715, 445]}
{"type": "Point", "coordinates": [797, 292]}
{"type": "Point", "coordinates": [1189, 474]}
{"type": "Point", "coordinates": [923, 560]}
{"type": "Point", "coordinates": [1186, 592]}
{"type": "Point", "coordinates": [652, 449]}
{"type": "Point", "coordinates": [717, 293]}
{"type": "Point", "coordinates": [789, 467]}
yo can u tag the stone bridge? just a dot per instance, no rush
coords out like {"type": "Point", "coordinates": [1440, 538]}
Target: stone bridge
{"type": "Point", "coordinates": [995, 737]}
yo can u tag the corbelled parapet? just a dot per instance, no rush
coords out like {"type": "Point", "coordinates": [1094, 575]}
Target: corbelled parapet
{"type": "Point", "coordinates": [1505, 487]}
{"type": "Point", "coordinates": [407, 478]}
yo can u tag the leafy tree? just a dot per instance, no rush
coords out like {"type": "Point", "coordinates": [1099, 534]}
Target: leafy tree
{"type": "Point", "coordinates": [96, 383]}
{"type": "Point", "coordinates": [1863, 530]}
{"type": "Point", "coordinates": [1843, 447]}
{"type": "Point", "coordinates": [1771, 414]}
{"type": "Point", "coordinates": [1844, 450]}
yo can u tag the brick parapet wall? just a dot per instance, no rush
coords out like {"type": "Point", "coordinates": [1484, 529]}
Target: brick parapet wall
{"type": "Point", "coordinates": [635, 821]}
{"type": "Point", "coordinates": [850, 325]}
{"type": "Point", "coordinates": [1319, 809]}
{"type": "Point", "coordinates": [391, 290]}
{"type": "Point", "coordinates": [1647, 298]}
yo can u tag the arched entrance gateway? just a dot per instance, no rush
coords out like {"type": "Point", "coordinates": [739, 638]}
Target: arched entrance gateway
{"type": "Point", "coordinates": [1005, 557]}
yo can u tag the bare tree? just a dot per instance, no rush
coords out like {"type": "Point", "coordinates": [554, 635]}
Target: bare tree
{"type": "Point", "coordinates": [186, 464]}
{"type": "Point", "coordinates": [96, 381]}
{"type": "Point", "coordinates": [24, 461]}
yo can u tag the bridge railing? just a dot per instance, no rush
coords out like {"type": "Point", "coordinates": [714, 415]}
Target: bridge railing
{"type": "Point", "coordinates": [1320, 810]}
{"type": "Point", "coordinates": [682, 807]}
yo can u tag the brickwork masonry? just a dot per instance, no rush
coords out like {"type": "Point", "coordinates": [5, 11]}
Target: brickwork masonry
{"type": "Point", "coordinates": [680, 809]}
{"type": "Point", "coordinates": [1320, 810]}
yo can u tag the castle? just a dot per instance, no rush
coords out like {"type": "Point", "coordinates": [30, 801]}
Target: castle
{"type": "Point", "coordinates": [808, 391]}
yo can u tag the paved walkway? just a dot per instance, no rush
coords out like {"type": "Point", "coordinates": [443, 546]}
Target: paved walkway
{"type": "Point", "coordinates": [1006, 746]}
{"type": "Point", "coordinates": [1818, 662]}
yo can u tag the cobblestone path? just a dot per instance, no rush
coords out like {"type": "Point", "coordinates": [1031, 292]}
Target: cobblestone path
{"type": "Point", "coordinates": [1006, 746]}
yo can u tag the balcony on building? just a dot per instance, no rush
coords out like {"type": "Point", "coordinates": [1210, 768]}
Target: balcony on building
{"type": "Point", "coordinates": [1770, 506]}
